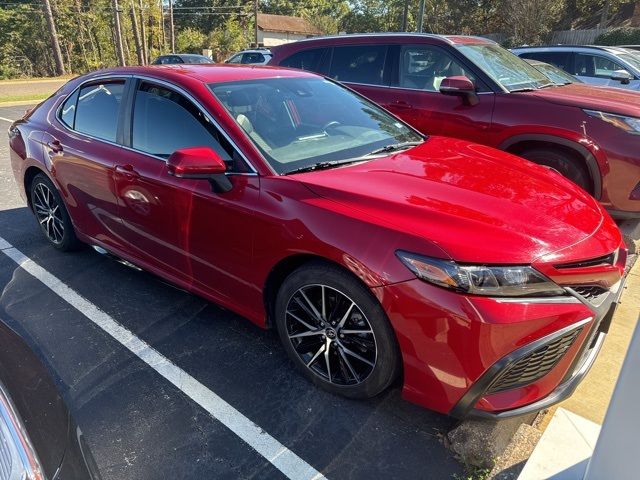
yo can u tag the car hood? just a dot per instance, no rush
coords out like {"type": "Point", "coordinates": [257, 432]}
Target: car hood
{"type": "Point", "coordinates": [606, 99]}
{"type": "Point", "coordinates": [476, 203]}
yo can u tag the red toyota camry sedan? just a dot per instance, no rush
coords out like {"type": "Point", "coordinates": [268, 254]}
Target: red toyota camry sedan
{"type": "Point", "coordinates": [484, 282]}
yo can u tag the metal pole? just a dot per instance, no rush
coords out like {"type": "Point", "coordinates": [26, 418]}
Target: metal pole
{"type": "Point", "coordinates": [421, 16]}
{"type": "Point", "coordinates": [255, 26]}
{"type": "Point", "coordinates": [172, 35]}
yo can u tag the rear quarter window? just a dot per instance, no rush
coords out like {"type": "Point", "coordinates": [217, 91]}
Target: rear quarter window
{"type": "Point", "coordinates": [359, 64]}
{"type": "Point", "coordinates": [305, 60]}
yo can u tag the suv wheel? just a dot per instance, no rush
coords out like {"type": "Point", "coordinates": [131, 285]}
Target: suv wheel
{"type": "Point", "coordinates": [564, 163]}
{"type": "Point", "coordinates": [336, 332]}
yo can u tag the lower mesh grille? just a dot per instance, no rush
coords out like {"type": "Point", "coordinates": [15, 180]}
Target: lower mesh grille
{"type": "Point", "coordinates": [594, 294]}
{"type": "Point", "coordinates": [535, 365]}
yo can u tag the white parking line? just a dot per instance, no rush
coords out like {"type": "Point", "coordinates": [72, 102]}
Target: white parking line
{"type": "Point", "coordinates": [6, 119]}
{"type": "Point", "coordinates": [271, 449]}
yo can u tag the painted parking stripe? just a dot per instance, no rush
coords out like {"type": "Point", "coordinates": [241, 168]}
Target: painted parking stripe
{"type": "Point", "coordinates": [271, 449]}
{"type": "Point", "coordinates": [6, 119]}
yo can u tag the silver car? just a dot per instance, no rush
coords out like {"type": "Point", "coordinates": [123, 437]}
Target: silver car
{"type": "Point", "coordinates": [606, 66]}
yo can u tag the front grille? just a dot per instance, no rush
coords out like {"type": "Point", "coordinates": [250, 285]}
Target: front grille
{"type": "Point", "coordinates": [535, 365]}
{"type": "Point", "coordinates": [592, 262]}
{"type": "Point", "coordinates": [594, 294]}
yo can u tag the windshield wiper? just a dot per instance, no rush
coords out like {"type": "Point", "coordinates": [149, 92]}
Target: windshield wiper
{"type": "Point", "coordinates": [525, 89]}
{"type": "Point", "coordinates": [393, 148]}
{"type": "Point", "coordinates": [322, 165]}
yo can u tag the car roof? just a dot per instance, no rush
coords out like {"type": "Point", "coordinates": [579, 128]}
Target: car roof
{"type": "Point", "coordinates": [605, 48]}
{"type": "Point", "coordinates": [449, 39]}
{"type": "Point", "coordinates": [209, 73]}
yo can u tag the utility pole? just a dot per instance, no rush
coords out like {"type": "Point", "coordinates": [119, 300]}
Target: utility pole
{"type": "Point", "coordinates": [172, 36]}
{"type": "Point", "coordinates": [164, 37]}
{"type": "Point", "coordinates": [55, 43]}
{"type": "Point", "coordinates": [116, 22]}
{"type": "Point", "coordinates": [136, 33]}
{"type": "Point", "coordinates": [255, 26]}
{"type": "Point", "coordinates": [421, 16]}
{"type": "Point", "coordinates": [405, 15]}
{"type": "Point", "coordinates": [143, 34]}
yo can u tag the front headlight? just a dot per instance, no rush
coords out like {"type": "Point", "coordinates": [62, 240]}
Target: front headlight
{"type": "Point", "coordinates": [496, 281]}
{"type": "Point", "coordinates": [628, 124]}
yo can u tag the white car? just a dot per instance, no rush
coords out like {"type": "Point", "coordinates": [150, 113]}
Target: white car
{"type": "Point", "coordinates": [605, 66]}
{"type": "Point", "coordinates": [257, 56]}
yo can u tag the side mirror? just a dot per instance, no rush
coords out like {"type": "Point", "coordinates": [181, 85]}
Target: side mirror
{"type": "Point", "coordinates": [460, 86]}
{"type": "Point", "coordinates": [202, 163]}
{"type": "Point", "coordinates": [621, 76]}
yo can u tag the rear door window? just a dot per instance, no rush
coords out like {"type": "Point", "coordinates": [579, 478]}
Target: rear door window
{"type": "Point", "coordinates": [98, 108]}
{"type": "Point", "coordinates": [305, 60]}
{"type": "Point", "coordinates": [359, 64]}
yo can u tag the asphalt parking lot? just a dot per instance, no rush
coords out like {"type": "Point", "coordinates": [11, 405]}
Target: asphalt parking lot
{"type": "Point", "coordinates": [141, 426]}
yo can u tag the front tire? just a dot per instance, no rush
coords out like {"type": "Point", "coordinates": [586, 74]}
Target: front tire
{"type": "Point", "coordinates": [52, 214]}
{"type": "Point", "coordinates": [566, 164]}
{"type": "Point", "coordinates": [336, 332]}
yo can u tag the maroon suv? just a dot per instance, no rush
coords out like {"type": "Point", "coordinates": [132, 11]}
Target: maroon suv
{"type": "Point", "coordinates": [471, 88]}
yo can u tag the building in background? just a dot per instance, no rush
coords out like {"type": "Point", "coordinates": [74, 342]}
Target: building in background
{"type": "Point", "coordinates": [278, 29]}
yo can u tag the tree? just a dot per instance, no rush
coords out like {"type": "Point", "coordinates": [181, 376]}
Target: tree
{"type": "Point", "coordinates": [190, 40]}
{"type": "Point", "coordinates": [530, 21]}
{"type": "Point", "coordinates": [55, 44]}
{"type": "Point", "coordinates": [228, 39]}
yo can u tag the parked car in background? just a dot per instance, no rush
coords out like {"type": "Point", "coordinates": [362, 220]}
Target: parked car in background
{"type": "Point", "coordinates": [484, 282]}
{"type": "Point", "coordinates": [555, 74]}
{"type": "Point", "coordinates": [38, 437]}
{"type": "Point", "coordinates": [181, 58]}
{"type": "Point", "coordinates": [256, 56]}
{"type": "Point", "coordinates": [605, 66]}
{"type": "Point", "coordinates": [471, 88]}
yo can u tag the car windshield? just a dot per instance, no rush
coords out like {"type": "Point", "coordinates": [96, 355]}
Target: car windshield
{"type": "Point", "coordinates": [509, 70]}
{"type": "Point", "coordinates": [196, 59]}
{"type": "Point", "coordinates": [632, 58]}
{"type": "Point", "coordinates": [555, 74]}
{"type": "Point", "coordinates": [299, 122]}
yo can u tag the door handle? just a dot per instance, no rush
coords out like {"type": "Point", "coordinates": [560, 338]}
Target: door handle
{"type": "Point", "coordinates": [127, 170]}
{"type": "Point", "coordinates": [55, 145]}
{"type": "Point", "coordinates": [402, 105]}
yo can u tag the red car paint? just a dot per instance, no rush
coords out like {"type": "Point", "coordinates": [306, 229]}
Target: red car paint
{"type": "Point", "coordinates": [447, 198]}
{"type": "Point", "coordinates": [510, 121]}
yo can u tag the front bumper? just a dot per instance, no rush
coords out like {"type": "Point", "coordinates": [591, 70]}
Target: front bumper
{"type": "Point", "coordinates": [455, 347]}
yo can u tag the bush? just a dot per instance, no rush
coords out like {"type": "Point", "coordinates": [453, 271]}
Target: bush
{"type": "Point", "coordinates": [619, 36]}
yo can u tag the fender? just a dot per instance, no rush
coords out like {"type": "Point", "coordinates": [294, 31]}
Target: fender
{"type": "Point", "coordinates": [587, 155]}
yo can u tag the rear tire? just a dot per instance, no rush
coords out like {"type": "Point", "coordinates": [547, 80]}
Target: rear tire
{"type": "Point", "coordinates": [566, 164]}
{"type": "Point", "coordinates": [335, 331]}
{"type": "Point", "coordinates": [52, 215]}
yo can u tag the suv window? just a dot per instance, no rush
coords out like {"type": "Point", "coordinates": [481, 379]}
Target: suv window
{"type": "Point", "coordinates": [237, 58]}
{"type": "Point", "coordinates": [305, 60]}
{"type": "Point", "coordinates": [97, 109]}
{"type": "Point", "coordinates": [587, 65]}
{"type": "Point", "coordinates": [165, 121]}
{"type": "Point", "coordinates": [253, 57]}
{"type": "Point", "coordinates": [561, 60]}
{"type": "Point", "coordinates": [424, 67]}
{"type": "Point", "coordinates": [359, 64]}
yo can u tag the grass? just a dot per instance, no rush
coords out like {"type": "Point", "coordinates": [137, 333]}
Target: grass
{"type": "Point", "coordinates": [36, 97]}
{"type": "Point", "coordinates": [473, 473]}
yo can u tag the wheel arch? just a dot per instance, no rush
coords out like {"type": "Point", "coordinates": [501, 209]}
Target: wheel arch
{"type": "Point", "coordinates": [520, 143]}
{"type": "Point", "coordinates": [29, 174]}
{"type": "Point", "coordinates": [285, 267]}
